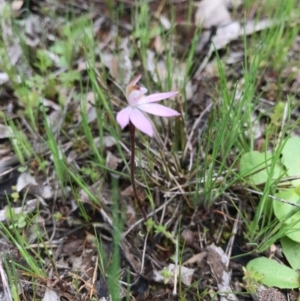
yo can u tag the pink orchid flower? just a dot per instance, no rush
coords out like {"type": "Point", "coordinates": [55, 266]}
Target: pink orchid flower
{"type": "Point", "coordinates": [139, 103]}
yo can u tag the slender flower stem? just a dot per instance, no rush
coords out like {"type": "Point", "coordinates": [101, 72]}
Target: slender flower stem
{"type": "Point", "coordinates": [132, 168]}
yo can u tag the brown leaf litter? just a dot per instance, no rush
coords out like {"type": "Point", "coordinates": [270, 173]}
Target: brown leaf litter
{"type": "Point", "coordinates": [65, 242]}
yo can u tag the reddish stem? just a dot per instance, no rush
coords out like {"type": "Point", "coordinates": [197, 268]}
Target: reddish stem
{"type": "Point", "coordinates": [132, 168]}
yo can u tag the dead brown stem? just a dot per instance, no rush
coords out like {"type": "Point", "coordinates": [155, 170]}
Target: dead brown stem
{"type": "Point", "coordinates": [132, 168]}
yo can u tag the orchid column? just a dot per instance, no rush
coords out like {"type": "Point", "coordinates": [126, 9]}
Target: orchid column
{"type": "Point", "coordinates": [133, 115]}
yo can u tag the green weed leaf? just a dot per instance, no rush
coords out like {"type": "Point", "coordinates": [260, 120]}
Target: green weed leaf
{"type": "Point", "coordinates": [256, 167]}
{"type": "Point", "coordinates": [291, 158]}
{"type": "Point", "coordinates": [291, 250]}
{"type": "Point", "coordinates": [285, 211]}
{"type": "Point", "coordinates": [272, 273]}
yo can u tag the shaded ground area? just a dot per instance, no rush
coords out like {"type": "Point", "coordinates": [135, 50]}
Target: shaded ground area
{"type": "Point", "coordinates": [70, 228]}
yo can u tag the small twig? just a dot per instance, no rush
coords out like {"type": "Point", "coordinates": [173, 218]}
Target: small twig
{"type": "Point", "coordinates": [94, 279]}
{"type": "Point", "coordinates": [194, 127]}
{"type": "Point", "coordinates": [6, 290]}
{"type": "Point", "coordinates": [274, 198]}
{"type": "Point", "coordinates": [232, 238]}
{"type": "Point", "coordinates": [284, 117]}
{"type": "Point", "coordinates": [204, 63]}
{"type": "Point", "coordinates": [144, 252]}
{"type": "Point", "coordinates": [176, 268]}
{"type": "Point", "coordinates": [132, 168]}
{"type": "Point", "coordinates": [150, 214]}
{"type": "Point", "coordinates": [222, 225]}
{"type": "Point", "coordinates": [176, 272]}
{"type": "Point", "coordinates": [60, 121]}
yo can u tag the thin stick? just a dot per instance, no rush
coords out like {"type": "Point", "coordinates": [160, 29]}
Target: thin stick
{"type": "Point", "coordinates": [6, 289]}
{"type": "Point", "coordinates": [132, 167]}
{"type": "Point", "coordinates": [166, 203]}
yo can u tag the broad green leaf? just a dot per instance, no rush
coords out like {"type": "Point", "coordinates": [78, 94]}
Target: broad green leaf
{"type": "Point", "coordinates": [291, 251]}
{"type": "Point", "coordinates": [273, 273]}
{"type": "Point", "coordinates": [291, 158]}
{"type": "Point", "coordinates": [282, 212]}
{"type": "Point", "coordinates": [257, 167]}
{"type": "Point", "coordinates": [59, 47]}
{"type": "Point", "coordinates": [277, 115]}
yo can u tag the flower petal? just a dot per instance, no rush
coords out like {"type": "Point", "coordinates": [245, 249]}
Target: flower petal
{"type": "Point", "coordinates": [143, 90]}
{"type": "Point", "coordinates": [123, 117]}
{"type": "Point", "coordinates": [141, 122]}
{"type": "Point", "coordinates": [136, 96]}
{"type": "Point", "coordinates": [157, 97]}
{"type": "Point", "coordinates": [132, 84]}
{"type": "Point", "coordinates": [158, 110]}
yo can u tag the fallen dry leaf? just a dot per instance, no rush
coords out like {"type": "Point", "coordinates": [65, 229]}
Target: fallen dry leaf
{"type": "Point", "coordinates": [3, 78]}
{"type": "Point", "coordinates": [119, 65]}
{"type": "Point", "coordinates": [197, 258]}
{"type": "Point", "coordinates": [25, 179]}
{"type": "Point", "coordinates": [217, 260]}
{"type": "Point", "coordinates": [6, 294]}
{"type": "Point", "coordinates": [50, 295]}
{"type": "Point", "coordinates": [100, 191]}
{"type": "Point", "coordinates": [107, 142]}
{"type": "Point", "coordinates": [129, 192]}
{"type": "Point", "coordinates": [7, 33]}
{"type": "Point", "coordinates": [112, 161]}
{"type": "Point", "coordinates": [225, 34]}
{"type": "Point", "coordinates": [6, 131]}
{"type": "Point", "coordinates": [88, 107]}
{"type": "Point", "coordinates": [212, 13]}
{"type": "Point", "coordinates": [159, 72]}
{"type": "Point", "coordinates": [29, 207]}
{"type": "Point", "coordinates": [16, 5]}
{"type": "Point", "coordinates": [166, 275]}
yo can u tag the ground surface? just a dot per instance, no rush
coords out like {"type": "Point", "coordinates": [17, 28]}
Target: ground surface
{"type": "Point", "coordinates": [71, 229]}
